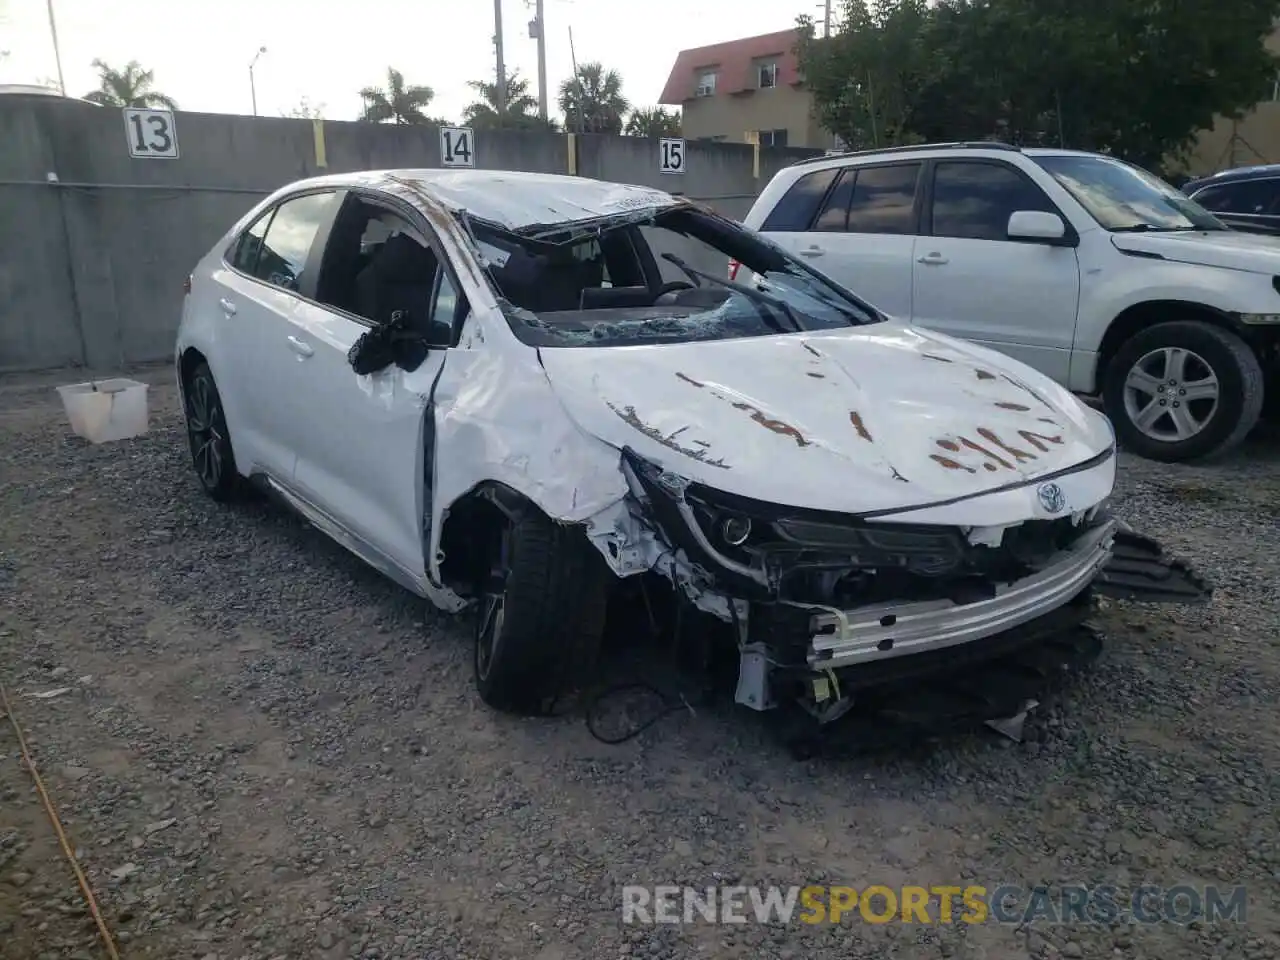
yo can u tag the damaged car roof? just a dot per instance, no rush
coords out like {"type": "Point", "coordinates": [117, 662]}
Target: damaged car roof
{"type": "Point", "coordinates": [514, 199]}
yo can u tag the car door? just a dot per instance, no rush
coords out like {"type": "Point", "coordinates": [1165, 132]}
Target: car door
{"type": "Point", "coordinates": [971, 281]}
{"type": "Point", "coordinates": [360, 447]}
{"type": "Point", "coordinates": [259, 362]}
{"type": "Point", "coordinates": [864, 232]}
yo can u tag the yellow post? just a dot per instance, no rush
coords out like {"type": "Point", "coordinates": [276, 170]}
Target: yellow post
{"type": "Point", "coordinates": [317, 130]}
{"type": "Point", "coordinates": [753, 137]}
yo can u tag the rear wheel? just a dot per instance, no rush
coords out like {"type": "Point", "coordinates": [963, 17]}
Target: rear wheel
{"type": "Point", "coordinates": [208, 436]}
{"type": "Point", "coordinates": [541, 616]}
{"type": "Point", "coordinates": [1183, 390]}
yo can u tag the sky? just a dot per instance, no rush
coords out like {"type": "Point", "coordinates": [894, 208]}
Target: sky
{"type": "Point", "coordinates": [326, 50]}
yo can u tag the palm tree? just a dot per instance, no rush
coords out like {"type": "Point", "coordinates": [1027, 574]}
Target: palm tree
{"type": "Point", "coordinates": [398, 103]}
{"type": "Point", "coordinates": [305, 110]}
{"type": "Point", "coordinates": [592, 100]}
{"type": "Point", "coordinates": [653, 122]}
{"type": "Point", "coordinates": [521, 111]}
{"type": "Point", "coordinates": [130, 87]}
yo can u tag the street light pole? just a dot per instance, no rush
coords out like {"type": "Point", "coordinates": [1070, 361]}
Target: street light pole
{"type": "Point", "coordinates": [57, 55]}
{"type": "Point", "coordinates": [253, 89]}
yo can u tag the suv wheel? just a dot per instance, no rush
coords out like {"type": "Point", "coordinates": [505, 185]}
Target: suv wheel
{"type": "Point", "coordinates": [541, 615]}
{"type": "Point", "coordinates": [208, 437]}
{"type": "Point", "coordinates": [1183, 390]}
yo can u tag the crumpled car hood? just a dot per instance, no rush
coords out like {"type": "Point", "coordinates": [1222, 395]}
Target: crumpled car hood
{"type": "Point", "coordinates": [872, 418]}
{"type": "Point", "coordinates": [1254, 252]}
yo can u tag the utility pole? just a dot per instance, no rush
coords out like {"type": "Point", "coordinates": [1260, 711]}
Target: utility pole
{"type": "Point", "coordinates": [582, 126]}
{"type": "Point", "coordinates": [502, 69]}
{"type": "Point", "coordinates": [538, 30]}
{"type": "Point", "coordinates": [826, 19]}
{"type": "Point", "coordinates": [57, 55]}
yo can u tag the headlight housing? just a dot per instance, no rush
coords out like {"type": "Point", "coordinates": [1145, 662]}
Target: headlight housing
{"type": "Point", "coordinates": [744, 534]}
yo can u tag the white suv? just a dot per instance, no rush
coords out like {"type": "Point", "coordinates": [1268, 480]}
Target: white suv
{"type": "Point", "coordinates": [1096, 273]}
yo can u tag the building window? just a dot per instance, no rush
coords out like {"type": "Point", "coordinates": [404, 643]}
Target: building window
{"type": "Point", "coordinates": [768, 75]}
{"type": "Point", "coordinates": [772, 138]}
{"type": "Point", "coordinates": [706, 84]}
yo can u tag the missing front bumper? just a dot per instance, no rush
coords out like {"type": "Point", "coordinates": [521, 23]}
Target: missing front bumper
{"type": "Point", "coordinates": [843, 638]}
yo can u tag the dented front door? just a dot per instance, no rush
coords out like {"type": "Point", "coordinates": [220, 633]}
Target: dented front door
{"type": "Point", "coordinates": [360, 455]}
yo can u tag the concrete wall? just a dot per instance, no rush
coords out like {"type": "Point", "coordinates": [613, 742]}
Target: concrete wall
{"type": "Point", "coordinates": [91, 266]}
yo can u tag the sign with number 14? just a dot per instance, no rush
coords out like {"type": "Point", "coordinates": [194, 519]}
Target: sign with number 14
{"type": "Point", "coordinates": [456, 147]}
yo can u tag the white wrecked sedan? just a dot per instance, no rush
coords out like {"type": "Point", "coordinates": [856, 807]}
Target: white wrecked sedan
{"type": "Point", "coordinates": [513, 391]}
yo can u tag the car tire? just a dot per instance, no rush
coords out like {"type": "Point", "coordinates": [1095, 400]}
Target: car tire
{"type": "Point", "coordinates": [208, 436]}
{"type": "Point", "coordinates": [1205, 427]}
{"type": "Point", "coordinates": [541, 615]}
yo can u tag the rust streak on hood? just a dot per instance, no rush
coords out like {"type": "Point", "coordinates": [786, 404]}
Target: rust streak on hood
{"type": "Point", "coordinates": [856, 419]}
{"type": "Point", "coordinates": [777, 426]}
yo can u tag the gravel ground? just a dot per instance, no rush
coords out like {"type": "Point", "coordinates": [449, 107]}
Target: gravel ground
{"type": "Point", "coordinates": [267, 751]}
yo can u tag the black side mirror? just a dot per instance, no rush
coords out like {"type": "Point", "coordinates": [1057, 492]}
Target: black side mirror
{"type": "Point", "coordinates": [392, 342]}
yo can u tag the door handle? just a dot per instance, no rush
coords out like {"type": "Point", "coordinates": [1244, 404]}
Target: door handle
{"type": "Point", "coordinates": [812, 252]}
{"type": "Point", "coordinates": [228, 307]}
{"type": "Point", "coordinates": [932, 259]}
{"type": "Point", "coordinates": [301, 347]}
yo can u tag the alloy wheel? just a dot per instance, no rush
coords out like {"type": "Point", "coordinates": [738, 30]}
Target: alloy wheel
{"type": "Point", "coordinates": [493, 607]}
{"type": "Point", "coordinates": [205, 430]}
{"type": "Point", "coordinates": [1171, 394]}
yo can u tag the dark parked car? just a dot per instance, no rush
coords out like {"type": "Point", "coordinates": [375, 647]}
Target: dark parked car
{"type": "Point", "coordinates": [1246, 198]}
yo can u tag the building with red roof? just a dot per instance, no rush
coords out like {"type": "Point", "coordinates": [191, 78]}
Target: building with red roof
{"type": "Point", "coordinates": [744, 89]}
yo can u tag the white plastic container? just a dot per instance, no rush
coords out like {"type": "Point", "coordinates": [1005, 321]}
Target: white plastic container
{"type": "Point", "coordinates": [103, 410]}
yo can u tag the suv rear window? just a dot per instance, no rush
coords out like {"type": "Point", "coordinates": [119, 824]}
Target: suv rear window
{"type": "Point", "coordinates": [795, 211]}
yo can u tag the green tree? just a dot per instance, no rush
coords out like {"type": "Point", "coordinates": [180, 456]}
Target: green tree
{"type": "Point", "coordinates": [1137, 78]}
{"type": "Point", "coordinates": [520, 113]}
{"type": "Point", "coordinates": [398, 102]}
{"type": "Point", "coordinates": [130, 87]}
{"type": "Point", "coordinates": [592, 100]}
{"type": "Point", "coordinates": [653, 122]}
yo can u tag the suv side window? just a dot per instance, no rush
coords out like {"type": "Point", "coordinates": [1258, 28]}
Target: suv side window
{"type": "Point", "coordinates": [884, 199]}
{"type": "Point", "coordinates": [974, 200]}
{"type": "Point", "coordinates": [289, 238]}
{"type": "Point", "coordinates": [244, 253]}
{"type": "Point", "coordinates": [795, 211]}
{"type": "Point", "coordinates": [1251, 196]}
{"type": "Point", "coordinates": [835, 212]}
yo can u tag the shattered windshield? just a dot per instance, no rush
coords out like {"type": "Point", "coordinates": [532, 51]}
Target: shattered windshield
{"type": "Point", "coordinates": [672, 275]}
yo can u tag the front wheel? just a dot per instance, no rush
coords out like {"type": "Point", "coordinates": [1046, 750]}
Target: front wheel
{"type": "Point", "coordinates": [541, 615]}
{"type": "Point", "coordinates": [1183, 390]}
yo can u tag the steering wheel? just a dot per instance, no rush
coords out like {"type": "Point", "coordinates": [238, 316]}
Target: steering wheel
{"type": "Point", "coordinates": [671, 286]}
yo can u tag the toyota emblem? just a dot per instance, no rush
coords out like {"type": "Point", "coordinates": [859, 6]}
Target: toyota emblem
{"type": "Point", "coordinates": [1051, 497]}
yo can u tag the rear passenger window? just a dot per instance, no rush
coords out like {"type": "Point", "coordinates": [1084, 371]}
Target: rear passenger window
{"type": "Point", "coordinates": [289, 238]}
{"type": "Point", "coordinates": [884, 199]}
{"type": "Point", "coordinates": [795, 211]}
{"type": "Point", "coordinates": [975, 200]}
{"type": "Point", "coordinates": [244, 255]}
{"type": "Point", "coordinates": [1255, 196]}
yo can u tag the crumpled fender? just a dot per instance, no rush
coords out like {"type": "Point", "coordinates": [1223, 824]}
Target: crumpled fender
{"type": "Point", "coordinates": [497, 419]}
